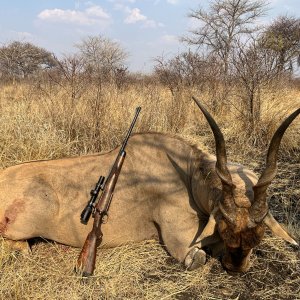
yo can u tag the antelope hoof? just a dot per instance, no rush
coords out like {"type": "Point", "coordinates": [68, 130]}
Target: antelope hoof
{"type": "Point", "coordinates": [195, 259]}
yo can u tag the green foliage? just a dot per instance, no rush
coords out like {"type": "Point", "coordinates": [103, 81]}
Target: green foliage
{"type": "Point", "coordinates": [282, 39]}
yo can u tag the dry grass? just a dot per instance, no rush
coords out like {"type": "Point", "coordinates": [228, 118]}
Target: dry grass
{"type": "Point", "coordinates": [145, 271]}
{"type": "Point", "coordinates": [46, 123]}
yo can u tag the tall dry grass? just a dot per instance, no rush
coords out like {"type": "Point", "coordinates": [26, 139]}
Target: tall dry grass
{"type": "Point", "coordinates": [45, 122]}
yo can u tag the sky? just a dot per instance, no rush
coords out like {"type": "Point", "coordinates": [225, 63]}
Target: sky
{"type": "Point", "coordinates": [144, 28]}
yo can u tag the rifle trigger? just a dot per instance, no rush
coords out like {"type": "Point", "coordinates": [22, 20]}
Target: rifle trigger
{"type": "Point", "coordinates": [105, 218]}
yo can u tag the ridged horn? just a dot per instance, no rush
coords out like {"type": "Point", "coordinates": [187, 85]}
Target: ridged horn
{"type": "Point", "coordinates": [259, 208]}
{"type": "Point", "coordinates": [227, 203]}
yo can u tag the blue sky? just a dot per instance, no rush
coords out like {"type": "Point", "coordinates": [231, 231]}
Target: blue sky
{"type": "Point", "coordinates": [144, 28]}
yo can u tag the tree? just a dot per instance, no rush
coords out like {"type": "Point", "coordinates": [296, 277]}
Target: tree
{"type": "Point", "coordinates": [71, 75]}
{"type": "Point", "coordinates": [187, 69]}
{"type": "Point", "coordinates": [103, 57]}
{"type": "Point", "coordinates": [19, 60]}
{"type": "Point", "coordinates": [282, 39]}
{"type": "Point", "coordinates": [254, 68]}
{"type": "Point", "coordinates": [225, 22]}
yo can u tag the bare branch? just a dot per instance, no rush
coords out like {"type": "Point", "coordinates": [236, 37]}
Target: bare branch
{"type": "Point", "coordinates": [223, 25]}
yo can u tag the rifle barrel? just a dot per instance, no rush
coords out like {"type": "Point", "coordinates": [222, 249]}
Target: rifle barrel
{"type": "Point", "coordinates": [137, 111]}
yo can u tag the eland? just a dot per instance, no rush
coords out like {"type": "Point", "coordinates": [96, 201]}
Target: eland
{"type": "Point", "coordinates": [169, 190]}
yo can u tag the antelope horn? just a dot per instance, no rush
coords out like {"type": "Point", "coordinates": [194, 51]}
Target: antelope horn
{"type": "Point", "coordinates": [227, 204]}
{"type": "Point", "coordinates": [259, 208]}
{"type": "Point", "coordinates": [276, 228]}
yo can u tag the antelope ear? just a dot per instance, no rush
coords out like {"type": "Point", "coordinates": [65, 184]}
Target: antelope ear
{"type": "Point", "coordinates": [210, 227]}
{"type": "Point", "coordinates": [276, 229]}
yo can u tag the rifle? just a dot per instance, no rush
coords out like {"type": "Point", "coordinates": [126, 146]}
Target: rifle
{"type": "Point", "coordinates": [87, 258]}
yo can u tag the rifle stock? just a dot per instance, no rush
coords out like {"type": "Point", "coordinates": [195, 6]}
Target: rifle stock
{"type": "Point", "coordinates": [87, 258]}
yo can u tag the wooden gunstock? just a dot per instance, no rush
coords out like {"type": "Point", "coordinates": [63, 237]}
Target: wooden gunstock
{"type": "Point", "coordinates": [87, 257]}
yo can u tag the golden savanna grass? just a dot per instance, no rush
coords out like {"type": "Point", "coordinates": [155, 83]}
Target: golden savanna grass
{"type": "Point", "coordinates": [45, 122]}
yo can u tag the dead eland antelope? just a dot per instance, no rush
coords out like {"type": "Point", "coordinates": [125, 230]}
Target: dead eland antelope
{"type": "Point", "coordinates": [168, 189]}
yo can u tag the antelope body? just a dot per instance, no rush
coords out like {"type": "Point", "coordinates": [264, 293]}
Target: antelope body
{"type": "Point", "coordinates": [168, 189]}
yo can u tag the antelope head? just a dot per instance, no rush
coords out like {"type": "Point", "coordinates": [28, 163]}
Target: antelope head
{"type": "Point", "coordinates": [241, 224]}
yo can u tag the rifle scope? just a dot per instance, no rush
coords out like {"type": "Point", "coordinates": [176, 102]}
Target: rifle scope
{"type": "Point", "coordinates": [86, 213]}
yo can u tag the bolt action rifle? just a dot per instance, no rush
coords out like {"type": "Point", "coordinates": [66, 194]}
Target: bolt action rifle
{"type": "Point", "coordinates": [87, 258]}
